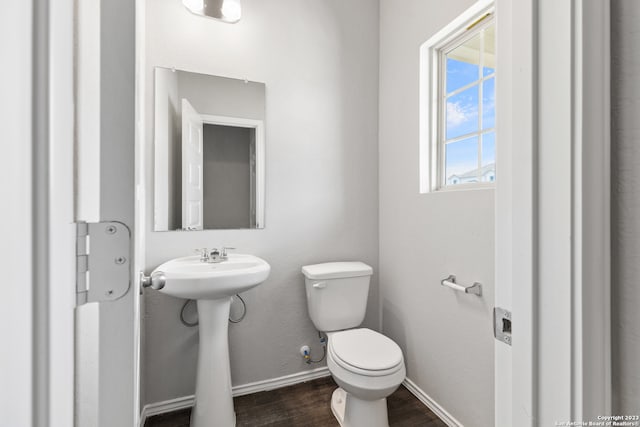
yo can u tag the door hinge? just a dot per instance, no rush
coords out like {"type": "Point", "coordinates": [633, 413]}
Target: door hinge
{"type": "Point", "coordinates": [103, 261]}
{"type": "Point", "coordinates": [502, 325]}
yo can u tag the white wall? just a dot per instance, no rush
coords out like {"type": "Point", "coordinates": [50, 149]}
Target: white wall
{"type": "Point", "coordinates": [447, 337]}
{"type": "Point", "coordinates": [319, 61]}
{"type": "Point", "coordinates": [625, 192]}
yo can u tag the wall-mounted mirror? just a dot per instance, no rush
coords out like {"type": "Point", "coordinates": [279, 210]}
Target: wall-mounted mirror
{"type": "Point", "coordinates": [209, 144]}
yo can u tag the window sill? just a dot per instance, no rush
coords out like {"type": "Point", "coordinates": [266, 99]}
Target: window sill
{"type": "Point", "coordinates": [463, 187]}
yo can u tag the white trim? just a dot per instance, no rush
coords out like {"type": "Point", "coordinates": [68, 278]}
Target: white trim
{"type": "Point", "coordinates": [16, 247]}
{"type": "Point", "coordinates": [515, 367]}
{"type": "Point", "coordinates": [556, 141]}
{"type": "Point", "coordinates": [88, 112]}
{"type": "Point", "coordinates": [157, 408]}
{"type": "Point", "coordinates": [468, 186]}
{"type": "Point", "coordinates": [591, 347]}
{"type": "Point", "coordinates": [285, 381]}
{"type": "Point", "coordinates": [62, 260]}
{"type": "Point", "coordinates": [428, 156]}
{"type": "Point", "coordinates": [231, 121]}
{"type": "Point", "coordinates": [434, 406]}
{"type": "Point", "coordinates": [573, 212]}
{"type": "Point", "coordinates": [552, 213]}
{"type": "Point", "coordinates": [153, 409]}
{"type": "Point", "coordinates": [140, 210]}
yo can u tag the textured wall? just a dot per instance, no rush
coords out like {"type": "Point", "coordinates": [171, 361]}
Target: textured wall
{"type": "Point", "coordinates": [446, 336]}
{"type": "Point", "coordinates": [625, 192]}
{"type": "Point", "coordinates": [319, 61]}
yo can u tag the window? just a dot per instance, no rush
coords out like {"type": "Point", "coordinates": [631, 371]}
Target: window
{"type": "Point", "coordinates": [458, 114]}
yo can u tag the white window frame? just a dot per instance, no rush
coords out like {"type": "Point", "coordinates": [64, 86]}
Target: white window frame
{"type": "Point", "coordinates": [432, 79]}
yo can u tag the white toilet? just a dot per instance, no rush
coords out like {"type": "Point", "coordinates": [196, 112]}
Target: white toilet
{"type": "Point", "coordinates": [367, 366]}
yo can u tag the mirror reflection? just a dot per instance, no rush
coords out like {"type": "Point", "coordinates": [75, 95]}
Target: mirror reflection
{"type": "Point", "coordinates": [209, 152]}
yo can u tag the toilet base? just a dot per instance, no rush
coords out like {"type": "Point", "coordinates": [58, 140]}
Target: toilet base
{"type": "Point", "coordinates": [338, 402]}
{"type": "Point", "coordinates": [353, 412]}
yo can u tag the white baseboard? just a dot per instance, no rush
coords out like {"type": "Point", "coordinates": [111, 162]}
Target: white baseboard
{"type": "Point", "coordinates": [423, 397]}
{"type": "Point", "coordinates": [157, 408]}
{"type": "Point", "coordinates": [287, 380]}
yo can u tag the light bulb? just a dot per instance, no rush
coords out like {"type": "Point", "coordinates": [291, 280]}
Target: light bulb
{"type": "Point", "coordinates": [231, 10]}
{"type": "Point", "coordinates": [195, 6]}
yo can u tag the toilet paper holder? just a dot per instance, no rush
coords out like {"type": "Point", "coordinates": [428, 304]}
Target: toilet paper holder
{"type": "Point", "coordinates": [450, 282]}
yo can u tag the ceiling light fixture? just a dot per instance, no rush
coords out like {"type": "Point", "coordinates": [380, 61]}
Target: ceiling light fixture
{"type": "Point", "coordinates": [231, 10]}
{"type": "Point", "coordinates": [195, 6]}
{"type": "Point", "coordinates": [224, 10]}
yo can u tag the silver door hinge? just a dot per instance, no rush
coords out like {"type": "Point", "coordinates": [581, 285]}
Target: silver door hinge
{"type": "Point", "coordinates": [502, 325]}
{"type": "Point", "coordinates": [102, 261]}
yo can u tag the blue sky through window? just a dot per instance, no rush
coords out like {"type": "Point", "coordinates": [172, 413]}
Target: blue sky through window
{"type": "Point", "coordinates": [460, 73]}
{"type": "Point", "coordinates": [488, 148]}
{"type": "Point", "coordinates": [462, 114]}
{"type": "Point", "coordinates": [489, 103]}
{"type": "Point", "coordinates": [461, 156]}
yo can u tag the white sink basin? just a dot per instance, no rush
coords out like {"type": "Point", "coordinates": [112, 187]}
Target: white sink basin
{"type": "Point", "coordinates": [212, 285]}
{"type": "Point", "coordinates": [188, 277]}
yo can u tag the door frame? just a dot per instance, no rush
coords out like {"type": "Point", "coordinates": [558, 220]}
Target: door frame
{"type": "Point", "coordinates": [38, 385]}
{"type": "Point", "coordinates": [107, 332]}
{"type": "Point", "coordinates": [552, 212]}
{"type": "Point", "coordinates": [258, 202]}
{"type": "Point", "coordinates": [523, 192]}
{"type": "Point", "coordinates": [62, 230]}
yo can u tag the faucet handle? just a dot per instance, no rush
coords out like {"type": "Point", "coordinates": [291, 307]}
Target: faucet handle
{"type": "Point", "coordinates": [204, 254]}
{"type": "Point", "coordinates": [224, 250]}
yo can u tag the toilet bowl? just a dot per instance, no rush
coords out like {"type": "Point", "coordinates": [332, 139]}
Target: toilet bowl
{"type": "Point", "coordinates": [366, 365]}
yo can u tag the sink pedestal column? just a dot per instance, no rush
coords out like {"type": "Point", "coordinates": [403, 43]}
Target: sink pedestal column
{"type": "Point", "coordinates": [214, 400]}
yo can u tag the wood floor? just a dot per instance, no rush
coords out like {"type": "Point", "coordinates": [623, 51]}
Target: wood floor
{"type": "Point", "coordinates": [306, 405]}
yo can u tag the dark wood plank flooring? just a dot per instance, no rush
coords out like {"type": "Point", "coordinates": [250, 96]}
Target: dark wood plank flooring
{"type": "Point", "coordinates": [306, 405]}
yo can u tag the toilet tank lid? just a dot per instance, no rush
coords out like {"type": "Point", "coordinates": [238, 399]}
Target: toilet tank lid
{"type": "Point", "coordinates": [337, 270]}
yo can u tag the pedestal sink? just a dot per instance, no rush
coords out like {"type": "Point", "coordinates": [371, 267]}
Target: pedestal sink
{"type": "Point", "coordinates": [213, 285]}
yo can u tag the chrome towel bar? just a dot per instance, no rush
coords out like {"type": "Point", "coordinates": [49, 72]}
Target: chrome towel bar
{"type": "Point", "coordinates": [450, 282]}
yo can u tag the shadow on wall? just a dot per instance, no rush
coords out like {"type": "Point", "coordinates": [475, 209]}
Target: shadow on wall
{"type": "Point", "coordinates": [392, 315]}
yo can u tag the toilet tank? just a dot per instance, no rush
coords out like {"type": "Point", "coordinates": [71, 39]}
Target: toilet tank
{"type": "Point", "coordinates": [337, 294]}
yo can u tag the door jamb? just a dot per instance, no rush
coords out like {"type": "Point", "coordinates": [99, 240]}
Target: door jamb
{"type": "Point", "coordinates": [553, 191]}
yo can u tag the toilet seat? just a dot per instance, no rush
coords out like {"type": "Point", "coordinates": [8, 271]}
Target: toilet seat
{"type": "Point", "coordinates": [365, 352]}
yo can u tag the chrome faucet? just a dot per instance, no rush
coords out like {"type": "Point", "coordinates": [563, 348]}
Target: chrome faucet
{"type": "Point", "coordinates": [204, 254]}
{"type": "Point", "coordinates": [224, 254]}
{"type": "Point", "coordinates": [214, 255]}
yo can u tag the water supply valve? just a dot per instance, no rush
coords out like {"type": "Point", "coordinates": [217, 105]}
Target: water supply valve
{"type": "Point", "coordinates": [305, 352]}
